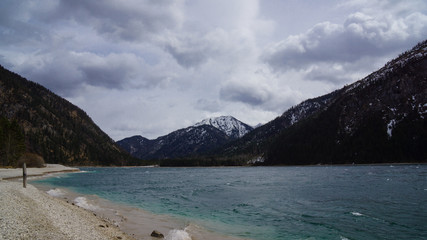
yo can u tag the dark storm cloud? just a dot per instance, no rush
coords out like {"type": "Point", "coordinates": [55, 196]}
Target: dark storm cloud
{"type": "Point", "coordinates": [65, 73]}
{"type": "Point", "coordinates": [188, 58]}
{"type": "Point", "coordinates": [54, 42]}
{"type": "Point", "coordinates": [245, 93]}
{"type": "Point", "coordinates": [121, 20]}
{"type": "Point", "coordinates": [14, 27]}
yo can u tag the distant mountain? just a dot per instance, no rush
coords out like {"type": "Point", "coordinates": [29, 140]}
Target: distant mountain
{"type": "Point", "coordinates": [381, 118]}
{"type": "Point", "coordinates": [198, 139]}
{"type": "Point", "coordinates": [185, 142]}
{"type": "Point", "coordinates": [229, 125]}
{"type": "Point", "coordinates": [53, 127]}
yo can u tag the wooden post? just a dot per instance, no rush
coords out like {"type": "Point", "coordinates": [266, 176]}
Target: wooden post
{"type": "Point", "coordinates": [24, 173]}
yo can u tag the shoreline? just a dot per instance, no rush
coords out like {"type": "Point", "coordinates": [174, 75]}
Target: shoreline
{"type": "Point", "coordinates": [134, 221]}
{"type": "Point", "coordinates": [66, 214]}
{"type": "Point", "coordinates": [28, 213]}
{"type": "Point", "coordinates": [16, 173]}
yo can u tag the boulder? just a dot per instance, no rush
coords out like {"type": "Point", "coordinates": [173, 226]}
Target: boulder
{"type": "Point", "coordinates": [157, 234]}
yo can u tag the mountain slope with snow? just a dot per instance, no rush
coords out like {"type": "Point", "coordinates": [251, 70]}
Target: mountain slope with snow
{"type": "Point", "coordinates": [227, 124]}
{"type": "Point", "coordinates": [198, 139]}
{"type": "Point", "coordinates": [381, 118]}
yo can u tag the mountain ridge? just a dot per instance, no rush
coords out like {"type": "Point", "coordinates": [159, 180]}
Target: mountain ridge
{"type": "Point", "coordinates": [228, 124]}
{"type": "Point", "coordinates": [200, 138]}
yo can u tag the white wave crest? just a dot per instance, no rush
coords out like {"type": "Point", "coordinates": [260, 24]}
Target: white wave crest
{"type": "Point", "coordinates": [55, 192]}
{"type": "Point", "coordinates": [356, 214]}
{"type": "Point", "coordinates": [82, 202]}
{"type": "Point", "coordinates": [177, 234]}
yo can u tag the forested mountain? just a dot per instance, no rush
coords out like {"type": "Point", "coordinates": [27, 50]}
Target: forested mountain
{"type": "Point", "coordinates": [381, 118]}
{"type": "Point", "coordinates": [53, 127]}
{"type": "Point", "coordinates": [254, 143]}
{"type": "Point", "coordinates": [192, 141]}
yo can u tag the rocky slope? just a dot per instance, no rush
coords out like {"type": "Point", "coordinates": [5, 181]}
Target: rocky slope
{"type": "Point", "coordinates": [55, 128]}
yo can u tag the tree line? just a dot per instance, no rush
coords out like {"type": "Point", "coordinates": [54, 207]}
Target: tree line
{"type": "Point", "coordinates": [12, 142]}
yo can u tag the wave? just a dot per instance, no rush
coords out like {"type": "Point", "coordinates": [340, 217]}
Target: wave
{"type": "Point", "coordinates": [177, 234]}
{"type": "Point", "coordinates": [356, 214]}
{"type": "Point", "coordinates": [83, 203]}
{"type": "Point", "coordinates": [55, 192]}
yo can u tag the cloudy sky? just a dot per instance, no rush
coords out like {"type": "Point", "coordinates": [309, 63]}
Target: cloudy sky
{"type": "Point", "coordinates": [148, 67]}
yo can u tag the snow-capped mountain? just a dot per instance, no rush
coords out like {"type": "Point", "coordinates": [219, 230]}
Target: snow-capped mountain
{"type": "Point", "coordinates": [191, 141]}
{"type": "Point", "coordinates": [227, 124]}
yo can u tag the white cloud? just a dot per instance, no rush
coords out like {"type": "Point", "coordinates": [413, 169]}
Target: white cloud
{"type": "Point", "coordinates": [358, 37]}
{"type": "Point", "coordinates": [327, 49]}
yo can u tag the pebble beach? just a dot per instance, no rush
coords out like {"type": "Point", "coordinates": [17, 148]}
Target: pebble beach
{"type": "Point", "coordinates": [27, 213]}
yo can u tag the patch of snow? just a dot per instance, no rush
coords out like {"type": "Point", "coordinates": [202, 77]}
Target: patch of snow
{"type": "Point", "coordinates": [293, 119]}
{"type": "Point", "coordinates": [390, 127]}
{"type": "Point", "coordinates": [258, 159]}
{"type": "Point", "coordinates": [347, 129]}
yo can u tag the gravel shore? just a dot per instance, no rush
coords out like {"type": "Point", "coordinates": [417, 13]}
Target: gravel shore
{"type": "Point", "coordinates": [27, 213]}
{"type": "Point", "coordinates": [31, 172]}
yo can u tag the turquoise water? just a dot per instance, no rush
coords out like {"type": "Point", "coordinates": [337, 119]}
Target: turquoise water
{"type": "Point", "coordinates": [269, 203]}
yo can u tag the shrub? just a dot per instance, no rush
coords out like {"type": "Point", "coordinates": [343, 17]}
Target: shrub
{"type": "Point", "coordinates": [32, 160]}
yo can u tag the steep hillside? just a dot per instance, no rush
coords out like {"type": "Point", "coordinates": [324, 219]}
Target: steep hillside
{"type": "Point", "coordinates": [381, 118]}
{"type": "Point", "coordinates": [55, 128]}
{"type": "Point", "coordinates": [254, 143]}
{"type": "Point", "coordinates": [377, 119]}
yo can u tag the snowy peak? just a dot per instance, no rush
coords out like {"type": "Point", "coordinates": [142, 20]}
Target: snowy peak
{"type": "Point", "coordinates": [227, 124]}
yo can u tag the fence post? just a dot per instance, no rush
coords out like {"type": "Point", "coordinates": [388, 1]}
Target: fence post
{"type": "Point", "coordinates": [24, 173]}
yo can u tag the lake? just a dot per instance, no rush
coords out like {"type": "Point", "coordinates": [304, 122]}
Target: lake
{"type": "Point", "coordinates": [271, 203]}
